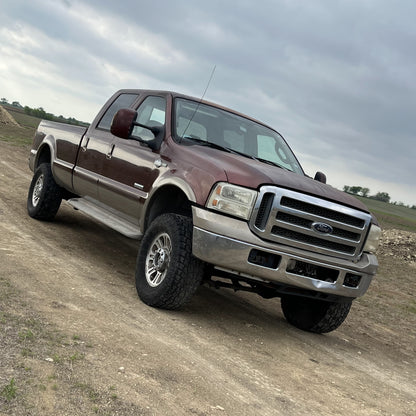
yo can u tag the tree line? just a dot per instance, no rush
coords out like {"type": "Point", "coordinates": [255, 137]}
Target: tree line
{"type": "Point", "coordinates": [379, 196]}
{"type": "Point", "coordinates": [41, 113]}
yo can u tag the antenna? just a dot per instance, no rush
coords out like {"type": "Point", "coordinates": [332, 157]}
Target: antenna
{"type": "Point", "coordinates": [209, 82]}
{"type": "Point", "coordinates": [200, 101]}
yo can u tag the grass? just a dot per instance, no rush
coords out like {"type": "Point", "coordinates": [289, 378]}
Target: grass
{"type": "Point", "coordinates": [92, 394]}
{"type": "Point", "coordinates": [24, 120]}
{"type": "Point", "coordinates": [411, 308]}
{"type": "Point", "coordinates": [392, 216]}
{"type": "Point", "coordinates": [21, 135]}
{"type": "Point", "coordinates": [26, 334]}
{"type": "Point", "coordinates": [9, 391]}
{"type": "Point", "coordinates": [28, 376]}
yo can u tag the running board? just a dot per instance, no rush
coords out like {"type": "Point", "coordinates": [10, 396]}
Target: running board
{"type": "Point", "coordinates": [107, 217]}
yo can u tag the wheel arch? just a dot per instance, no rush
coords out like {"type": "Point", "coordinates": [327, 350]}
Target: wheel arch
{"type": "Point", "coordinates": [168, 198]}
{"type": "Point", "coordinates": [45, 152]}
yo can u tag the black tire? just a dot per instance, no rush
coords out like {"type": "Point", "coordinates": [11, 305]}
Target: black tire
{"type": "Point", "coordinates": [167, 274]}
{"type": "Point", "coordinates": [314, 315]}
{"type": "Point", "coordinates": [45, 196]}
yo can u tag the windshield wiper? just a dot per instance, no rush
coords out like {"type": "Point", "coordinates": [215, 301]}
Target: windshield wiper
{"type": "Point", "coordinates": [213, 145]}
{"type": "Point", "coordinates": [269, 162]}
{"type": "Point", "coordinates": [206, 143]}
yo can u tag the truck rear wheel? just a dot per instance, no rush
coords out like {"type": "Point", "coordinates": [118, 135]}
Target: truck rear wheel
{"type": "Point", "coordinates": [167, 274]}
{"type": "Point", "coordinates": [314, 315]}
{"type": "Point", "coordinates": [45, 195]}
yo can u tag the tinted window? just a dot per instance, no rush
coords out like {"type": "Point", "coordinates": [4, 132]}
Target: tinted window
{"type": "Point", "coordinates": [191, 127]}
{"type": "Point", "coordinates": [198, 121]}
{"type": "Point", "coordinates": [151, 112]}
{"type": "Point", "coordinates": [122, 101]}
{"type": "Point", "coordinates": [234, 140]}
{"type": "Point", "coordinates": [274, 150]}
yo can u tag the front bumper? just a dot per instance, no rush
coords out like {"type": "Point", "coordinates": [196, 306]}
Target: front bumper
{"type": "Point", "coordinates": [228, 244]}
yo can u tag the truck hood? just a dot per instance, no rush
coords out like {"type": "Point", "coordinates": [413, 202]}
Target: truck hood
{"type": "Point", "coordinates": [253, 174]}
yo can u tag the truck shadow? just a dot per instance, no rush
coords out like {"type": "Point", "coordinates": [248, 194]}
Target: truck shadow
{"type": "Point", "coordinates": [219, 310]}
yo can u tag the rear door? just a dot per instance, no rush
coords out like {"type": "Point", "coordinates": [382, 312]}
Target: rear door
{"type": "Point", "coordinates": [96, 147]}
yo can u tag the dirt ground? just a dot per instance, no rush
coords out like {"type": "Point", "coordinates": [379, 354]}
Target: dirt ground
{"type": "Point", "coordinates": [6, 119]}
{"type": "Point", "coordinates": [76, 340]}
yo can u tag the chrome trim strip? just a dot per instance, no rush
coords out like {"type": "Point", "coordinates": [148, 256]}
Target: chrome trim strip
{"type": "Point", "coordinates": [63, 164]}
{"type": "Point", "coordinates": [127, 191]}
{"type": "Point", "coordinates": [85, 174]}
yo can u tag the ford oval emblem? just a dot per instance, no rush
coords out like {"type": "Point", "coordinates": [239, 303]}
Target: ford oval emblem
{"type": "Point", "coordinates": [322, 228]}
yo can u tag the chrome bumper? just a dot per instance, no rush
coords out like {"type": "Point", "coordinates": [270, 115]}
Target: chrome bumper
{"type": "Point", "coordinates": [227, 243]}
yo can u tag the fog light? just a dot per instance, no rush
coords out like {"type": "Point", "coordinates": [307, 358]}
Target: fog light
{"type": "Point", "coordinates": [352, 280]}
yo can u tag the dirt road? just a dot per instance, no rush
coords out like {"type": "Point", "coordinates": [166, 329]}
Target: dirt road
{"type": "Point", "coordinates": [225, 354]}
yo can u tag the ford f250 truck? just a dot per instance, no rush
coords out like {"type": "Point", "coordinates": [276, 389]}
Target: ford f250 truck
{"type": "Point", "coordinates": [215, 197]}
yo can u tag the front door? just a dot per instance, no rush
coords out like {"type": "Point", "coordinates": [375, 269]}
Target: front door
{"type": "Point", "coordinates": [132, 167]}
{"type": "Point", "coordinates": [95, 148]}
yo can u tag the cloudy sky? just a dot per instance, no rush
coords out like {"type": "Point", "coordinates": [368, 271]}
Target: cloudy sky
{"type": "Point", "coordinates": [336, 77]}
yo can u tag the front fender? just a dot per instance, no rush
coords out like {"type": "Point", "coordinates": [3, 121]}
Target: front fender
{"type": "Point", "coordinates": [173, 181]}
{"type": "Point", "coordinates": [157, 191]}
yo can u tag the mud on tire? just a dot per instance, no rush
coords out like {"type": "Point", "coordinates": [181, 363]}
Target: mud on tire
{"type": "Point", "coordinates": [45, 195]}
{"type": "Point", "coordinates": [314, 315]}
{"type": "Point", "coordinates": [167, 274]}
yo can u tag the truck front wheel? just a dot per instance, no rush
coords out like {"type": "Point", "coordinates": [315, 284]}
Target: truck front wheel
{"type": "Point", "coordinates": [45, 195]}
{"type": "Point", "coordinates": [314, 315]}
{"type": "Point", "coordinates": [167, 274]}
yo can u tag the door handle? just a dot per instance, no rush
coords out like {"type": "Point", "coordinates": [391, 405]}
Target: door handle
{"type": "Point", "coordinates": [109, 154]}
{"type": "Point", "coordinates": [84, 143]}
{"type": "Point", "coordinates": [158, 163]}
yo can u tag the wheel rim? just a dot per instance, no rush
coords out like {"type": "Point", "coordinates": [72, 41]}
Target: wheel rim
{"type": "Point", "coordinates": [37, 190]}
{"type": "Point", "coordinates": [158, 259]}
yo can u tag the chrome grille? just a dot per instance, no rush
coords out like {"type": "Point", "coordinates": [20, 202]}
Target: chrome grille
{"type": "Point", "coordinates": [321, 211]}
{"type": "Point", "coordinates": [290, 218]}
{"type": "Point", "coordinates": [264, 209]}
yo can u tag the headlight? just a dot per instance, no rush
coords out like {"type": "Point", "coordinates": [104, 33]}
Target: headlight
{"type": "Point", "coordinates": [232, 199]}
{"type": "Point", "coordinates": [373, 239]}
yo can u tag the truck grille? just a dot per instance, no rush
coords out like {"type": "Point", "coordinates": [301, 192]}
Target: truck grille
{"type": "Point", "coordinates": [310, 223]}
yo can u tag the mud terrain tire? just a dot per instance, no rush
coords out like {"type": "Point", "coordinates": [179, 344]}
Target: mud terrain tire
{"type": "Point", "coordinates": [45, 195]}
{"type": "Point", "coordinates": [314, 315]}
{"type": "Point", "coordinates": [167, 274]}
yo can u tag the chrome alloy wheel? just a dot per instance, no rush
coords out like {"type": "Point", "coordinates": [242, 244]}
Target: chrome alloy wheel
{"type": "Point", "coordinates": [158, 259]}
{"type": "Point", "coordinates": [37, 190]}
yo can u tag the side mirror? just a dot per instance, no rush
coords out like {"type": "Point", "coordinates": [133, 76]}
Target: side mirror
{"type": "Point", "coordinates": [320, 177]}
{"type": "Point", "coordinates": [124, 122]}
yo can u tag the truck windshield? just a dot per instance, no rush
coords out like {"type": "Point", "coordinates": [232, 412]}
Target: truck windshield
{"type": "Point", "coordinates": [206, 125]}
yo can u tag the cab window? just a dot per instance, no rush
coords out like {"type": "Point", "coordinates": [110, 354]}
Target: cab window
{"type": "Point", "coordinates": [122, 101]}
{"type": "Point", "coordinates": [151, 112]}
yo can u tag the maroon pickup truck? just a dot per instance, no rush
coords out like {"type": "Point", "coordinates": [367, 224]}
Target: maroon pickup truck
{"type": "Point", "coordinates": [215, 197]}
